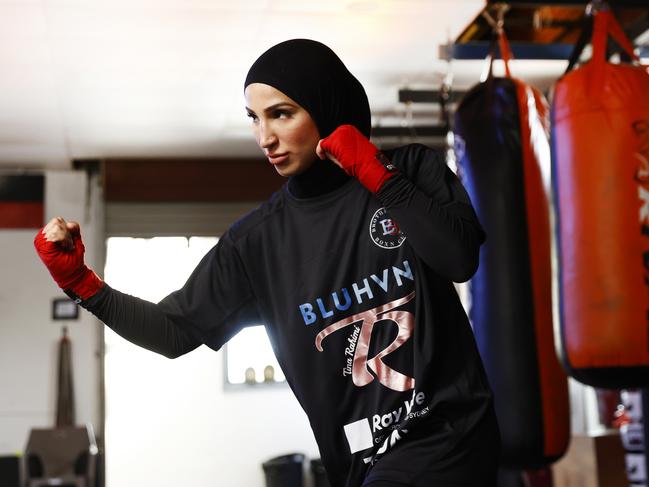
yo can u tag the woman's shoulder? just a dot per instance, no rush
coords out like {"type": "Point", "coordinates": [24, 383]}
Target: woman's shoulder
{"type": "Point", "coordinates": [257, 219]}
{"type": "Point", "coordinates": [414, 150]}
{"type": "Point", "coordinates": [409, 158]}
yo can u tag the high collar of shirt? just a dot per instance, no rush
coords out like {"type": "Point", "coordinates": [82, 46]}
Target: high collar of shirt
{"type": "Point", "coordinates": [321, 178]}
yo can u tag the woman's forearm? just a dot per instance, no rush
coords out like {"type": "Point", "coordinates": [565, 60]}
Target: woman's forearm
{"type": "Point", "coordinates": [446, 235]}
{"type": "Point", "coordinates": [141, 322]}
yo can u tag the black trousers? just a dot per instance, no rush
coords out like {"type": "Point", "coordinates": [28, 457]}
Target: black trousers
{"type": "Point", "coordinates": [475, 463]}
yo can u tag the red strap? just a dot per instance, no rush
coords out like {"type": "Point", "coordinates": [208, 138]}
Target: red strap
{"type": "Point", "coordinates": [505, 51]}
{"type": "Point", "coordinates": [605, 25]}
{"type": "Point", "coordinates": [617, 33]}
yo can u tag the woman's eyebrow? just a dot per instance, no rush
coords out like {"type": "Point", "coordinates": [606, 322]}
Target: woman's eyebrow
{"type": "Point", "coordinates": [273, 107]}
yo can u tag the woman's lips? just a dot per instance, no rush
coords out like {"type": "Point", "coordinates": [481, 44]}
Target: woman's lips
{"type": "Point", "coordinates": [277, 158]}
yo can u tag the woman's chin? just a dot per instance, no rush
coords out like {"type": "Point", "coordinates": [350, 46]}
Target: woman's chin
{"type": "Point", "coordinates": [283, 171]}
{"type": "Point", "coordinates": [288, 170]}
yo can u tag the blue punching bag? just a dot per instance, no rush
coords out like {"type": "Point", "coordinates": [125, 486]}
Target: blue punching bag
{"type": "Point", "coordinates": [503, 156]}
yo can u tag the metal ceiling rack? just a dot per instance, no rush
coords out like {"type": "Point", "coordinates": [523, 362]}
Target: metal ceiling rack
{"type": "Point", "coordinates": [541, 29]}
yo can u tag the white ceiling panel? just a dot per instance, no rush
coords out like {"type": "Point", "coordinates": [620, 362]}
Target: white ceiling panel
{"type": "Point", "coordinates": [100, 78]}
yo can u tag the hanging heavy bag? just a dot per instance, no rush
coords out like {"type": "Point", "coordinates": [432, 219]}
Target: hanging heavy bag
{"type": "Point", "coordinates": [600, 168]}
{"type": "Point", "coordinates": [503, 154]}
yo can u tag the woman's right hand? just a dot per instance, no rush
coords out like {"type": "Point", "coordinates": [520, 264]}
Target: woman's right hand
{"type": "Point", "coordinates": [348, 148]}
{"type": "Point", "coordinates": [61, 249]}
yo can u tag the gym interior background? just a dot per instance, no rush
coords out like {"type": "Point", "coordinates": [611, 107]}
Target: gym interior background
{"type": "Point", "coordinates": [128, 118]}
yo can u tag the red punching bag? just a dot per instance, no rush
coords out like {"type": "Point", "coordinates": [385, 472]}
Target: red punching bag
{"type": "Point", "coordinates": [503, 153]}
{"type": "Point", "coordinates": [601, 196]}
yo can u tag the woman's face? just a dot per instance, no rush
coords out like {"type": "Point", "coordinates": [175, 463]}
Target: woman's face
{"type": "Point", "coordinates": [283, 129]}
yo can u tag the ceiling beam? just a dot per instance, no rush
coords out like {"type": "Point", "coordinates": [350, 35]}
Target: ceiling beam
{"type": "Point", "coordinates": [520, 50]}
{"type": "Point", "coordinates": [427, 96]}
{"type": "Point", "coordinates": [567, 3]}
{"type": "Point", "coordinates": [410, 131]}
{"type": "Point", "coordinates": [480, 50]}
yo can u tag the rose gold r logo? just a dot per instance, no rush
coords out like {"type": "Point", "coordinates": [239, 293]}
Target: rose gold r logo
{"type": "Point", "coordinates": [387, 376]}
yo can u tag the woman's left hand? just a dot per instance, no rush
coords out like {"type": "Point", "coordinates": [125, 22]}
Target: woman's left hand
{"type": "Point", "coordinates": [323, 154]}
{"type": "Point", "coordinates": [348, 148]}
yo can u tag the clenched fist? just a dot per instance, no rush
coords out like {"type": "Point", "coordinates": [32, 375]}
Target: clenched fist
{"type": "Point", "coordinates": [61, 249]}
{"type": "Point", "coordinates": [357, 156]}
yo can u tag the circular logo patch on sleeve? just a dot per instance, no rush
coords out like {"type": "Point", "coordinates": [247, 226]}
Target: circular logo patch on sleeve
{"type": "Point", "coordinates": [384, 231]}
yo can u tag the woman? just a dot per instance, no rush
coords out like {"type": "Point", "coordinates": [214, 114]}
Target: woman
{"type": "Point", "coordinates": [350, 267]}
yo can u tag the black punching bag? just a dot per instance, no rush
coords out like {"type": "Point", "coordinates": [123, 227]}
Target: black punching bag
{"type": "Point", "coordinates": [504, 158]}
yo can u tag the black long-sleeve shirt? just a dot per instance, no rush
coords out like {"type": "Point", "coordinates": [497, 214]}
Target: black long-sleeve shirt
{"type": "Point", "coordinates": [356, 294]}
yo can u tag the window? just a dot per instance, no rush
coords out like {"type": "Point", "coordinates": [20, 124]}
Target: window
{"type": "Point", "coordinates": [250, 359]}
{"type": "Point", "coordinates": [151, 268]}
{"type": "Point", "coordinates": [154, 404]}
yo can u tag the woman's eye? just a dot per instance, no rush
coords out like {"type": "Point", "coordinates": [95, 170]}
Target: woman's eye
{"type": "Point", "coordinates": [251, 116]}
{"type": "Point", "coordinates": [281, 114]}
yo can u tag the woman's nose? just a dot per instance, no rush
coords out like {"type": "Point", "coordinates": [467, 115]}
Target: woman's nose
{"type": "Point", "coordinates": [266, 138]}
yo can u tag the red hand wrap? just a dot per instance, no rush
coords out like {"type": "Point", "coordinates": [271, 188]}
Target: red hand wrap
{"type": "Point", "coordinates": [67, 266]}
{"type": "Point", "coordinates": [358, 157]}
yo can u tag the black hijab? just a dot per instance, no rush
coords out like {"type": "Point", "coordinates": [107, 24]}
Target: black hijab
{"type": "Point", "coordinates": [313, 76]}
